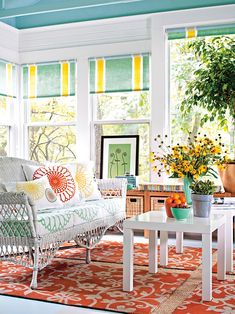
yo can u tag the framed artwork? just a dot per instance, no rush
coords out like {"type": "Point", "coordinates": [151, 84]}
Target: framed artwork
{"type": "Point", "coordinates": [119, 155]}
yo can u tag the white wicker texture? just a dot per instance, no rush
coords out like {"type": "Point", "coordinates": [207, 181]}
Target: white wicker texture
{"type": "Point", "coordinates": [19, 239]}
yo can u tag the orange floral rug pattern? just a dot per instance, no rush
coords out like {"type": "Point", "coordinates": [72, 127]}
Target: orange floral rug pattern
{"type": "Point", "coordinates": [92, 285]}
{"type": "Point", "coordinates": [223, 299]}
{"type": "Point", "coordinates": [111, 252]}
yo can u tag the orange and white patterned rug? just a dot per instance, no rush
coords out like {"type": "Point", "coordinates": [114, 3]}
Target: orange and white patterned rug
{"type": "Point", "coordinates": [96, 285]}
{"type": "Point", "coordinates": [68, 280]}
{"type": "Point", "coordinates": [112, 251]}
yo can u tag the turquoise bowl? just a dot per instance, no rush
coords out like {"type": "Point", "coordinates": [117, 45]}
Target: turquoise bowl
{"type": "Point", "coordinates": [180, 213]}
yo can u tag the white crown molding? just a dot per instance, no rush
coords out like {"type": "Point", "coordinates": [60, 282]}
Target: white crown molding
{"type": "Point", "coordinates": [9, 43]}
{"type": "Point", "coordinates": [194, 17]}
{"type": "Point", "coordinates": [85, 34]}
{"type": "Point", "coordinates": [114, 49]}
{"type": "Point", "coordinates": [117, 30]}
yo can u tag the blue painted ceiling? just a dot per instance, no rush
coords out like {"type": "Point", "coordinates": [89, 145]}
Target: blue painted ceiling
{"type": "Point", "coordinates": [35, 13]}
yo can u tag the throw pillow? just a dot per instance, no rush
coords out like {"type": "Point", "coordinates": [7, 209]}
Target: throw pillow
{"type": "Point", "coordinates": [61, 179]}
{"type": "Point", "coordinates": [39, 191]}
{"type": "Point", "coordinates": [86, 183]}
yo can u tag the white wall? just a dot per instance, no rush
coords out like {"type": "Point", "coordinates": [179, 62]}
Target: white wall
{"type": "Point", "coordinates": [127, 35]}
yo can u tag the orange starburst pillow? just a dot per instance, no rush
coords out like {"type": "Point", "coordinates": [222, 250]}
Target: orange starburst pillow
{"type": "Point", "coordinates": [61, 179]}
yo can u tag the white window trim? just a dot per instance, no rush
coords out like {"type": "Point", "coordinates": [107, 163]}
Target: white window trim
{"type": "Point", "coordinates": [123, 121]}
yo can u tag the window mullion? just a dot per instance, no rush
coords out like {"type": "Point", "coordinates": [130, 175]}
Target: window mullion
{"type": "Point", "coordinates": [132, 121]}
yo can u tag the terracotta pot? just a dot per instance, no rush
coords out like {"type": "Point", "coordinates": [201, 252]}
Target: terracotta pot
{"type": "Point", "coordinates": [228, 178]}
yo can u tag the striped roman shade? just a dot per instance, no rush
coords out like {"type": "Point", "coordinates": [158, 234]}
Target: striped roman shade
{"type": "Point", "coordinates": [7, 79]}
{"type": "Point", "coordinates": [49, 79]}
{"type": "Point", "coordinates": [200, 31]}
{"type": "Point", "coordinates": [119, 74]}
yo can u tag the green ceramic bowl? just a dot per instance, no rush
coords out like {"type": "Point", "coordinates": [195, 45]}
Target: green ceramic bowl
{"type": "Point", "coordinates": [180, 213]}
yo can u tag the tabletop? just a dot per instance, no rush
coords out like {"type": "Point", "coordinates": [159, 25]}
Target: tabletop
{"type": "Point", "coordinates": [158, 220]}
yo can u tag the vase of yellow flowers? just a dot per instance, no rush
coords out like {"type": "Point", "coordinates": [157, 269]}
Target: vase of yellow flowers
{"type": "Point", "coordinates": [187, 190]}
{"type": "Point", "coordinates": [189, 162]}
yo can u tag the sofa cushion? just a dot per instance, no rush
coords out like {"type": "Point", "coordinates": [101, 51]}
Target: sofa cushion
{"type": "Point", "coordinates": [61, 178]}
{"type": "Point", "coordinates": [84, 216]}
{"type": "Point", "coordinates": [39, 191]}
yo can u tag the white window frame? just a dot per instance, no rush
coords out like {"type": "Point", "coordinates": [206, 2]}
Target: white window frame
{"type": "Point", "coordinates": [10, 124]}
{"type": "Point", "coordinates": [95, 122]}
{"type": "Point", "coordinates": [29, 124]}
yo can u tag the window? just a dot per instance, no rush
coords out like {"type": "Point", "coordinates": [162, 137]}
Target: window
{"type": "Point", "coordinates": [120, 101]}
{"type": "Point", "coordinates": [7, 97]}
{"type": "Point", "coordinates": [49, 97]}
{"type": "Point", "coordinates": [182, 65]}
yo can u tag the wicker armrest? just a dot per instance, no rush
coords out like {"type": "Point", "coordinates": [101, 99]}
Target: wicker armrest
{"type": "Point", "coordinates": [17, 206]}
{"type": "Point", "coordinates": [112, 187]}
{"type": "Point", "coordinates": [8, 198]}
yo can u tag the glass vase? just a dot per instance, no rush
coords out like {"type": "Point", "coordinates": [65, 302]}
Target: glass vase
{"type": "Point", "coordinates": [187, 190]}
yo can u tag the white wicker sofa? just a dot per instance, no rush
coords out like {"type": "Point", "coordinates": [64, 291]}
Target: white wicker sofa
{"type": "Point", "coordinates": [32, 238]}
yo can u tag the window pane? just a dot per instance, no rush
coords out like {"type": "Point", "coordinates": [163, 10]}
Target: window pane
{"type": "Point", "coordinates": [126, 129]}
{"type": "Point", "coordinates": [57, 143]}
{"type": "Point", "coordinates": [182, 65]}
{"type": "Point", "coordinates": [56, 109]}
{"type": "Point", "coordinates": [3, 105]}
{"type": "Point", "coordinates": [118, 106]}
{"type": "Point", "coordinates": [3, 140]}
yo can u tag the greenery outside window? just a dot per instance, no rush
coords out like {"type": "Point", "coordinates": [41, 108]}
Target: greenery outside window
{"type": "Point", "coordinates": [183, 64]}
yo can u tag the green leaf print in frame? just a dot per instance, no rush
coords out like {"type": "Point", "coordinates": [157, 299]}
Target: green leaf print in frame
{"type": "Point", "coordinates": [119, 155]}
{"type": "Point", "coordinates": [119, 159]}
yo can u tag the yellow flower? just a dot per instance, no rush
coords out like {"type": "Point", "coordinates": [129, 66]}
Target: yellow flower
{"type": "Point", "coordinates": [216, 150]}
{"type": "Point", "coordinates": [202, 169]}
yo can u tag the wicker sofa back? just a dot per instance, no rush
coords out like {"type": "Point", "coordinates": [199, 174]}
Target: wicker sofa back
{"type": "Point", "coordinates": [31, 238]}
{"type": "Point", "coordinates": [11, 168]}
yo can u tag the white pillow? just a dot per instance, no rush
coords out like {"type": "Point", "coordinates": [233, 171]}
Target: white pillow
{"type": "Point", "coordinates": [61, 179]}
{"type": "Point", "coordinates": [39, 191]}
{"type": "Point", "coordinates": [86, 183]}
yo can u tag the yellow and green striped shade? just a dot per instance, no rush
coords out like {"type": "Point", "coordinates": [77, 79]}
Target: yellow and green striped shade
{"type": "Point", "coordinates": [7, 79]}
{"type": "Point", "coordinates": [200, 31]}
{"type": "Point", "coordinates": [119, 74]}
{"type": "Point", "coordinates": [49, 79]}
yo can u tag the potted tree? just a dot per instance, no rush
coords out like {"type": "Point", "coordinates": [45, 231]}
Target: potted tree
{"type": "Point", "coordinates": [213, 88]}
{"type": "Point", "coordinates": [202, 196]}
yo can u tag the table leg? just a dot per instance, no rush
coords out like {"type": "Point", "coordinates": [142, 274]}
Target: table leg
{"type": "Point", "coordinates": [163, 248]}
{"type": "Point", "coordinates": [206, 267]}
{"type": "Point", "coordinates": [153, 241]}
{"type": "Point", "coordinates": [127, 259]}
{"type": "Point", "coordinates": [179, 242]}
{"type": "Point", "coordinates": [229, 242]}
{"type": "Point", "coordinates": [221, 258]}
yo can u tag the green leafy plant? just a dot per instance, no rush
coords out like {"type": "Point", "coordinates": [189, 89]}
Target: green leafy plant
{"type": "Point", "coordinates": [203, 187]}
{"type": "Point", "coordinates": [213, 86]}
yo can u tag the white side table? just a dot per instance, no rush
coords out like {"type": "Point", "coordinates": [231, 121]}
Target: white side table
{"type": "Point", "coordinates": [229, 212]}
{"type": "Point", "coordinates": [154, 221]}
